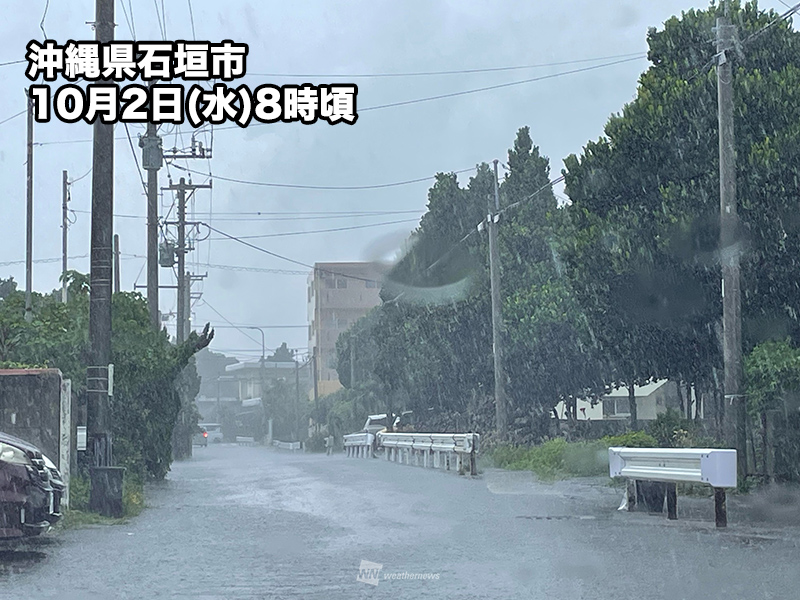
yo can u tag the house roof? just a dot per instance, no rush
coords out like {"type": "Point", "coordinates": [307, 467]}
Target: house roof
{"type": "Point", "coordinates": [256, 364]}
{"type": "Point", "coordinates": [639, 391]}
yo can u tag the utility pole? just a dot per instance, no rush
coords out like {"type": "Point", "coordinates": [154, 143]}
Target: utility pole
{"type": "Point", "coordinates": [500, 402]}
{"type": "Point", "coordinates": [314, 373]}
{"type": "Point", "coordinates": [735, 415]}
{"type": "Point", "coordinates": [106, 488]}
{"type": "Point", "coordinates": [297, 399]}
{"type": "Point", "coordinates": [64, 225]}
{"type": "Point", "coordinates": [184, 279]}
{"type": "Point", "coordinates": [152, 159]}
{"type": "Point", "coordinates": [116, 263]}
{"type": "Point", "coordinates": [181, 327]}
{"type": "Point", "coordinates": [29, 224]}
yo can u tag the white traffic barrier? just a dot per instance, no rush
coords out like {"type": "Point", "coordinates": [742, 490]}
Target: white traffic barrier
{"type": "Point", "coordinates": [359, 445]}
{"type": "Point", "coordinates": [711, 466]}
{"type": "Point", "coordinates": [450, 451]}
{"type": "Point", "coordinates": [245, 440]}
{"type": "Point", "coordinates": [293, 446]}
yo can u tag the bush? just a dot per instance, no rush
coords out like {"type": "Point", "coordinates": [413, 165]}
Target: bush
{"type": "Point", "coordinates": [558, 458]}
{"type": "Point", "coordinates": [630, 439]}
{"type": "Point", "coordinates": [132, 493]}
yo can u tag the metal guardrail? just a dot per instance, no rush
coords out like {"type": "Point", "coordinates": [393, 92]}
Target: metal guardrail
{"type": "Point", "coordinates": [293, 446]}
{"type": "Point", "coordinates": [359, 445]}
{"type": "Point", "coordinates": [450, 451]}
{"type": "Point", "coordinates": [711, 466]}
{"type": "Point", "coordinates": [245, 440]}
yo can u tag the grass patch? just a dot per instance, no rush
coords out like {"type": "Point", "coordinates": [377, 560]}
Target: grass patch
{"type": "Point", "coordinates": [79, 515]}
{"type": "Point", "coordinates": [559, 459]}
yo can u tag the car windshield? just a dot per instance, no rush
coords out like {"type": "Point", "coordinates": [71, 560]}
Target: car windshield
{"type": "Point", "coordinates": [414, 299]}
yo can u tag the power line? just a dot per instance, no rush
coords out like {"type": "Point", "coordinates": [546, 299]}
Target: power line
{"type": "Point", "coordinates": [782, 17]}
{"type": "Point", "coordinates": [79, 178]}
{"type": "Point", "coordinates": [12, 62]}
{"type": "Point", "coordinates": [437, 73]}
{"type": "Point", "coordinates": [414, 101]}
{"type": "Point", "coordinates": [349, 228]}
{"type": "Point", "coordinates": [127, 20]}
{"type": "Point", "coordinates": [136, 159]}
{"type": "Point", "coordinates": [500, 85]}
{"type": "Point", "coordinates": [19, 114]}
{"type": "Point", "coordinates": [241, 330]}
{"type": "Point", "coordinates": [160, 25]}
{"type": "Point", "coordinates": [286, 258]}
{"type": "Point", "coordinates": [297, 186]}
{"type": "Point", "coordinates": [231, 267]}
{"type": "Point", "coordinates": [191, 19]}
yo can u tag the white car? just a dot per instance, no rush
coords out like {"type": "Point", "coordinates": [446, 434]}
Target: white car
{"type": "Point", "coordinates": [214, 432]}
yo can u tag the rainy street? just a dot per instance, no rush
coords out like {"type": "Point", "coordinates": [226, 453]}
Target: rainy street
{"type": "Point", "coordinates": [249, 522]}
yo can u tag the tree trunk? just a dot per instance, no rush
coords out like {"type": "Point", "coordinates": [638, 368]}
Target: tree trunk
{"type": "Point", "coordinates": [689, 400]}
{"type": "Point", "coordinates": [680, 396]}
{"type": "Point", "coordinates": [632, 406]}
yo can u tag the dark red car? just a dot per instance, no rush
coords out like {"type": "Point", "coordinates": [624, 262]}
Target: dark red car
{"type": "Point", "coordinates": [29, 491]}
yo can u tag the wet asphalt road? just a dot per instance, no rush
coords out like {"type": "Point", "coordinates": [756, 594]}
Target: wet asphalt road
{"type": "Point", "coordinates": [249, 522]}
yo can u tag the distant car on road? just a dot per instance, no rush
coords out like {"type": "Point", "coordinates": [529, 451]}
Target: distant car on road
{"type": "Point", "coordinates": [200, 438]}
{"type": "Point", "coordinates": [214, 431]}
{"type": "Point", "coordinates": [27, 495]}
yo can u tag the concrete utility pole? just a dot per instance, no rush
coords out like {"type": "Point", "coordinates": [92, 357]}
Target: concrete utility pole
{"type": "Point", "coordinates": [29, 223]}
{"type": "Point", "coordinates": [297, 399]}
{"type": "Point", "coordinates": [106, 481]}
{"type": "Point", "coordinates": [184, 279]}
{"type": "Point", "coordinates": [152, 160]}
{"type": "Point", "coordinates": [735, 415]}
{"type": "Point", "coordinates": [64, 226]}
{"type": "Point", "coordinates": [500, 401]}
{"type": "Point", "coordinates": [116, 263]}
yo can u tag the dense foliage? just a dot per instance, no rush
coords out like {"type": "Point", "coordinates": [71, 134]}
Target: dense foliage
{"type": "Point", "coordinates": [150, 376]}
{"type": "Point", "coordinates": [620, 284]}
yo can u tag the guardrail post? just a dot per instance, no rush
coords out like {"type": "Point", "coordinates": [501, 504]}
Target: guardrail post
{"type": "Point", "coordinates": [672, 501]}
{"type": "Point", "coordinates": [631, 491]}
{"type": "Point", "coordinates": [720, 507]}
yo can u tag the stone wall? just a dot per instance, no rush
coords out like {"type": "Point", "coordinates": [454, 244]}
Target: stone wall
{"type": "Point", "coordinates": [30, 401]}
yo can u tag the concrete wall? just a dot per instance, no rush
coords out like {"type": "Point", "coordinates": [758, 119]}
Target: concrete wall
{"type": "Point", "coordinates": [30, 407]}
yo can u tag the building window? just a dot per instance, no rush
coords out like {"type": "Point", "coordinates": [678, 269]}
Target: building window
{"type": "Point", "coordinates": [341, 283]}
{"type": "Point", "coordinates": [372, 284]}
{"type": "Point", "coordinates": [330, 283]}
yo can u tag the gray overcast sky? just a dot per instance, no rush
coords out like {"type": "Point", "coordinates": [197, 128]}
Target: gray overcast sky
{"type": "Point", "coordinates": [407, 142]}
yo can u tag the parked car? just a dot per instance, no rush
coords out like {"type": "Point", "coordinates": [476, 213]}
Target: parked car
{"type": "Point", "coordinates": [200, 438]}
{"type": "Point", "coordinates": [214, 432]}
{"type": "Point", "coordinates": [378, 423]}
{"type": "Point", "coordinates": [59, 487]}
{"type": "Point", "coordinates": [27, 500]}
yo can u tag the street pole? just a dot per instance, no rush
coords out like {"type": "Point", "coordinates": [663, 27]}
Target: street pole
{"type": "Point", "coordinates": [29, 223]}
{"type": "Point", "coordinates": [314, 373]}
{"type": "Point", "coordinates": [735, 415]}
{"type": "Point", "coordinates": [151, 160]}
{"type": "Point", "coordinates": [184, 279]}
{"type": "Point", "coordinates": [64, 226]}
{"type": "Point", "coordinates": [116, 263]}
{"type": "Point", "coordinates": [106, 486]}
{"type": "Point", "coordinates": [297, 400]}
{"type": "Point", "coordinates": [181, 309]}
{"type": "Point", "coordinates": [501, 410]}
